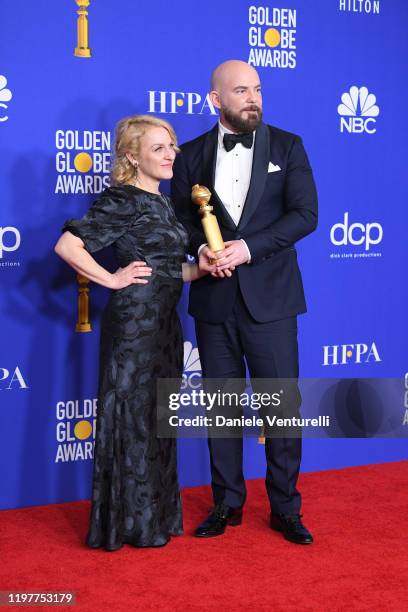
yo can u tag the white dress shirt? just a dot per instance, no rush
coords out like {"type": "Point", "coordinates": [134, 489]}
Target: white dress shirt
{"type": "Point", "coordinates": [232, 174]}
{"type": "Point", "coordinates": [232, 177]}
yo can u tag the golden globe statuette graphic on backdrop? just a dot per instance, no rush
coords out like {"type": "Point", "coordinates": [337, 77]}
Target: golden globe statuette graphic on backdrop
{"type": "Point", "coordinates": [83, 323]}
{"type": "Point", "coordinates": [82, 49]}
{"type": "Point", "coordinates": [201, 195]}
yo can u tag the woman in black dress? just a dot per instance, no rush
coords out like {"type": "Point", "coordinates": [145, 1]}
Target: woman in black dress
{"type": "Point", "coordinates": [136, 497]}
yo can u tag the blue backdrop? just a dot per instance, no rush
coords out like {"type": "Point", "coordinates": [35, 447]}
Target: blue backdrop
{"type": "Point", "coordinates": [332, 71]}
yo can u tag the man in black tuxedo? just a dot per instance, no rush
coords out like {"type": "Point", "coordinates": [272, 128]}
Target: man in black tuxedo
{"type": "Point", "coordinates": [264, 197]}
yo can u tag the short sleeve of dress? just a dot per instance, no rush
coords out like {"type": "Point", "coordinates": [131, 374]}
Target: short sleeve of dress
{"type": "Point", "coordinates": [106, 221]}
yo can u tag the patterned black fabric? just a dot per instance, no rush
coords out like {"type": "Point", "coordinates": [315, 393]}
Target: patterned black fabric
{"type": "Point", "coordinates": [135, 496]}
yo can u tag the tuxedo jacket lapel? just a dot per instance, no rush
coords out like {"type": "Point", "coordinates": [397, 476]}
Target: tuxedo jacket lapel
{"type": "Point", "coordinates": [209, 163]}
{"type": "Point", "coordinates": [258, 175]}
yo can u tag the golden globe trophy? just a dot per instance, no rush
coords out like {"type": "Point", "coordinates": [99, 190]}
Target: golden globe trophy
{"type": "Point", "coordinates": [83, 323]}
{"type": "Point", "coordinates": [201, 196]}
{"type": "Point", "coordinates": [82, 49]}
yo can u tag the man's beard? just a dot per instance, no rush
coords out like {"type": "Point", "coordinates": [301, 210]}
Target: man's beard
{"type": "Point", "coordinates": [244, 125]}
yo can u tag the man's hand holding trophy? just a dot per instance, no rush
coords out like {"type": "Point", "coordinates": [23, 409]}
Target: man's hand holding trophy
{"type": "Point", "coordinates": [217, 257]}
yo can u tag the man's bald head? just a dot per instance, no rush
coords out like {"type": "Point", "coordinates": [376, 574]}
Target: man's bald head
{"type": "Point", "coordinates": [236, 92]}
{"type": "Point", "coordinates": [231, 71]}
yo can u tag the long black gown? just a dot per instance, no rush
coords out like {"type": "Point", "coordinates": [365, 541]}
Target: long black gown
{"type": "Point", "coordinates": [135, 496]}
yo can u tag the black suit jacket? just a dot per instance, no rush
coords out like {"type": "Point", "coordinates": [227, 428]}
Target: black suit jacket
{"type": "Point", "coordinates": [280, 209]}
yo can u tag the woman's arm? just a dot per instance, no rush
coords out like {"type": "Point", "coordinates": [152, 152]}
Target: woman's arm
{"type": "Point", "coordinates": [72, 250]}
{"type": "Point", "coordinates": [192, 272]}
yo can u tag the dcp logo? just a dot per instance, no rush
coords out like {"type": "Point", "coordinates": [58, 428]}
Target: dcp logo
{"type": "Point", "coordinates": [5, 96]}
{"type": "Point", "coordinates": [342, 234]}
{"type": "Point", "coordinates": [10, 240]}
{"type": "Point", "coordinates": [360, 107]}
{"type": "Point", "coordinates": [172, 102]}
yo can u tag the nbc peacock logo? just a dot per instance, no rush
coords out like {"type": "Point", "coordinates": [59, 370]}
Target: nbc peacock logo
{"type": "Point", "coordinates": [192, 367]}
{"type": "Point", "coordinates": [5, 96]}
{"type": "Point", "coordinates": [357, 111]}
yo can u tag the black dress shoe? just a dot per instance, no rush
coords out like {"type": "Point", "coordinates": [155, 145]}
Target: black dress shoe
{"type": "Point", "coordinates": [220, 516]}
{"type": "Point", "coordinates": [292, 528]}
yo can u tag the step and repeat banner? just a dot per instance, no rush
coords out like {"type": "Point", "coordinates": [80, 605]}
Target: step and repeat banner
{"type": "Point", "coordinates": [332, 71]}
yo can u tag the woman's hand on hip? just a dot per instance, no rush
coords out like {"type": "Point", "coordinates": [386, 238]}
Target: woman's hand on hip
{"type": "Point", "coordinates": [134, 274]}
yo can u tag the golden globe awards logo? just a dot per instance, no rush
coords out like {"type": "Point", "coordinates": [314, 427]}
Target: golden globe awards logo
{"type": "Point", "coordinates": [82, 161]}
{"type": "Point", "coordinates": [405, 419]}
{"type": "Point", "coordinates": [272, 37]}
{"type": "Point", "coordinates": [75, 430]}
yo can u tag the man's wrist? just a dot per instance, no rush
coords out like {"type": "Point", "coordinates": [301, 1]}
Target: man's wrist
{"type": "Point", "coordinates": [248, 251]}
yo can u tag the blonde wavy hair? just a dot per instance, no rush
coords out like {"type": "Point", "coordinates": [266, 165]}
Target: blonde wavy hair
{"type": "Point", "coordinates": [128, 133]}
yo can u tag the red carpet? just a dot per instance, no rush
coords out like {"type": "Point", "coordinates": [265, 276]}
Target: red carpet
{"type": "Point", "coordinates": [358, 562]}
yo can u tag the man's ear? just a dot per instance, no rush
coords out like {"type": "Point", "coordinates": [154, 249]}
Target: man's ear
{"type": "Point", "coordinates": [215, 98]}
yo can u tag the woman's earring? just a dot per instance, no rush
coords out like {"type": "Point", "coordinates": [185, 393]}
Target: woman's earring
{"type": "Point", "coordinates": [132, 161]}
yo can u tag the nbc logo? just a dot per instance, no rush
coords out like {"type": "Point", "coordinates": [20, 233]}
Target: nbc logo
{"type": "Point", "coordinates": [191, 358]}
{"type": "Point", "coordinates": [357, 111]}
{"type": "Point", "coordinates": [5, 96]}
{"type": "Point", "coordinates": [172, 102]}
{"type": "Point", "coordinates": [192, 367]}
{"type": "Point", "coordinates": [344, 354]}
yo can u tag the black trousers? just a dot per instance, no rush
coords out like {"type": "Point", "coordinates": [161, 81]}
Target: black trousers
{"type": "Point", "coordinates": [271, 351]}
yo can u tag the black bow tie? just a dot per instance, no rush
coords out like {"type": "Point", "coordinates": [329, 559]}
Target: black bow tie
{"type": "Point", "coordinates": [230, 140]}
